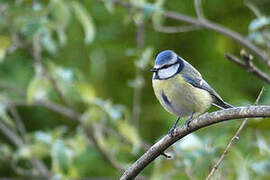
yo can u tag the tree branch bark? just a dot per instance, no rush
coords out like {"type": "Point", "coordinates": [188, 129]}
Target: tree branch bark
{"type": "Point", "coordinates": [250, 67]}
{"type": "Point", "coordinates": [206, 24]}
{"type": "Point", "coordinates": [204, 120]}
{"type": "Point", "coordinates": [234, 138]}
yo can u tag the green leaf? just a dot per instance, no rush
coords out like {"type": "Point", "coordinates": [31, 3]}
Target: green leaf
{"type": "Point", "coordinates": [61, 19]}
{"type": "Point", "coordinates": [190, 143]}
{"type": "Point", "coordinates": [5, 42]}
{"type": "Point", "coordinates": [44, 137]}
{"type": "Point", "coordinates": [130, 133]}
{"type": "Point", "coordinates": [157, 17]}
{"type": "Point", "coordinates": [37, 89]}
{"type": "Point", "coordinates": [31, 27]}
{"type": "Point", "coordinates": [47, 41]}
{"type": "Point", "coordinates": [4, 115]}
{"type": "Point", "coordinates": [62, 157]}
{"type": "Point", "coordinates": [109, 5]}
{"type": "Point", "coordinates": [259, 23]}
{"type": "Point", "coordinates": [261, 167]}
{"type": "Point", "coordinates": [145, 58]}
{"type": "Point", "coordinates": [87, 92]}
{"type": "Point", "coordinates": [60, 13]}
{"type": "Point", "coordinates": [5, 151]}
{"type": "Point", "coordinates": [86, 20]}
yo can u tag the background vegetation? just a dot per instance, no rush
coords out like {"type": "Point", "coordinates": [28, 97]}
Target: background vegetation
{"type": "Point", "coordinates": [76, 99]}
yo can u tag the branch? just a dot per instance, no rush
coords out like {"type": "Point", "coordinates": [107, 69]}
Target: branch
{"type": "Point", "coordinates": [177, 29]}
{"type": "Point", "coordinates": [136, 111]}
{"type": "Point", "coordinates": [76, 116]}
{"type": "Point", "coordinates": [13, 137]}
{"type": "Point", "coordinates": [250, 67]}
{"type": "Point", "coordinates": [206, 24]}
{"type": "Point", "coordinates": [204, 120]}
{"type": "Point", "coordinates": [18, 142]}
{"type": "Point", "coordinates": [198, 8]}
{"type": "Point", "coordinates": [234, 138]}
{"type": "Point", "coordinates": [18, 120]}
{"type": "Point", "coordinates": [69, 112]}
{"type": "Point", "coordinates": [41, 68]}
{"type": "Point", "coordinates": [10, 88]}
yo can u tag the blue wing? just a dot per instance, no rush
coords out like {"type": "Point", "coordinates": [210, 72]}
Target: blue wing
{"type": "Point", "coordinates": [202, 84]}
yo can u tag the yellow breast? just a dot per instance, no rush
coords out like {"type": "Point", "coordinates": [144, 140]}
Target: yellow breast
{"type": "Point", "coordinates": [181, 98]}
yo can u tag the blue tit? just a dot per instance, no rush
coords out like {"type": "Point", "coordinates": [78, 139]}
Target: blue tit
{"type": "Point", "coordinates": [180, 88]}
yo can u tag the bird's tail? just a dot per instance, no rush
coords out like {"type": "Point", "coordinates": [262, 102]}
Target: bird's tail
{"type": "Point", "coordinates": [222, 104]}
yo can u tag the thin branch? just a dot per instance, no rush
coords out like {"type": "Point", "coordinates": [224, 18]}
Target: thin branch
{"type": "Point", "coordinates": [18, 142]}
{"type": "Point", "coordinates": [198, 8]}
{"type": "Point", "coordinates": [69, 112]}
{"type": "Point", "coordinates": [41, 69]}
{"type": "Point", "coordinates": [234, 138]}
{"type": "Point", "coordinates": [206, 24]}
{"type": "Point", "coordinates": [74, 115]}
{"type": "Point", "coordinates": [140, 38]}
{"type": "Point", "coordinates": [14, 112]}
{"type": "Point", "coordinates": [90, 134]}
{"type": "Point", "coordinates": [250, 67]}
{"type": "Point", "coordinates": [177, 29]}
{"type": "Point", "coordinates": [13, 89]}
{"type": "Point", "coordinates": [13, 137]}
{"type": "Point", "coordinates": [204, 120]}
{"type": "Point", "coordinates": [223, 30]}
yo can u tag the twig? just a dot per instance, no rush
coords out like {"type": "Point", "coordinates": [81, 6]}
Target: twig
{"type": "Point", "coordinates": [204, 120]}
{"type": "Point", "coordinates": [234, 138]}
{"type": "Point", "coordinates": [76, 116]}
{"type": "Point", "coordinates": [250, 67]}
{"type": "Point", "coordinates": [140, 38]}
{"type": "Point", "coordinates": [206, 24]}
{"type": "Point", "coordinates": [90, 134]}
{"type": "Point", "coordinates": [14, 112]}
{"type": "Point", "coordinates": [223, 30]}
{"type": "Point", "coordinates": [18, 142]}
{"type": "Point", "coordinates": [198, 8]}
{"type": "Point", "coordinates": [14, 138]}
{"type": "Point", "coordinates": [88, 130]}
{"type": "Point", "coordinates": [8, 87]}
{"type": "Point", "coordinates": [70, 112]}
{"type": "Point", "coordinates": [41, 69]}
{"type": "Point", "coordinates": [177, 29]}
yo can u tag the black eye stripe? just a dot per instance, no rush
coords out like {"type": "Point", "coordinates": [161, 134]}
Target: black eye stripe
{"type": "Point", "coordinates": [167, 65]}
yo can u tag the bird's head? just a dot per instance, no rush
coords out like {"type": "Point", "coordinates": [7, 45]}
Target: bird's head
{"type": "Point", "coordinates": [167, 64]}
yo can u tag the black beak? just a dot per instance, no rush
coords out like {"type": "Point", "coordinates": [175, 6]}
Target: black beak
{"type": "Point", "coordinates": [153, 70]}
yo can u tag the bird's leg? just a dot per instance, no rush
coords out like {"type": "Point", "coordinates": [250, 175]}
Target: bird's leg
{"type": "Point", "coordinates": [189, 120]}
{"type": "Point", "coordinates": [173, 128]}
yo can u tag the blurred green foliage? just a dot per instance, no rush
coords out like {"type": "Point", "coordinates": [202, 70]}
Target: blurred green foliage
{"type": "Point", "coordinates": [85, 55]}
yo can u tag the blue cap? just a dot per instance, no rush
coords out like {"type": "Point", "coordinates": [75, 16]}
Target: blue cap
{"type": "Point", "coordinates": [165, 57]}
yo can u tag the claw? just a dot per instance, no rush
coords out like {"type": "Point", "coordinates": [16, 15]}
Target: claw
{"type": "Point", "coordinates": [189, 121]}
{"type": "Point", "coordinates": [171, 132]}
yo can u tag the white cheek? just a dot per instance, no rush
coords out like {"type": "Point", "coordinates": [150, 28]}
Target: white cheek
{"type": "Point", "coordinates": [168, 72]}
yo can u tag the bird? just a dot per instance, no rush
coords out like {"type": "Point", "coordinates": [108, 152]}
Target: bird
{"type": "Point", "coordinates": [181, 89]}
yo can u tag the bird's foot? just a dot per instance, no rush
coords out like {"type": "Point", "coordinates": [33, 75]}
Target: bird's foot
{"type": "Point", "coordinates": [171, 132]}
{"type": "Point", "coordinates": [188, 122]}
